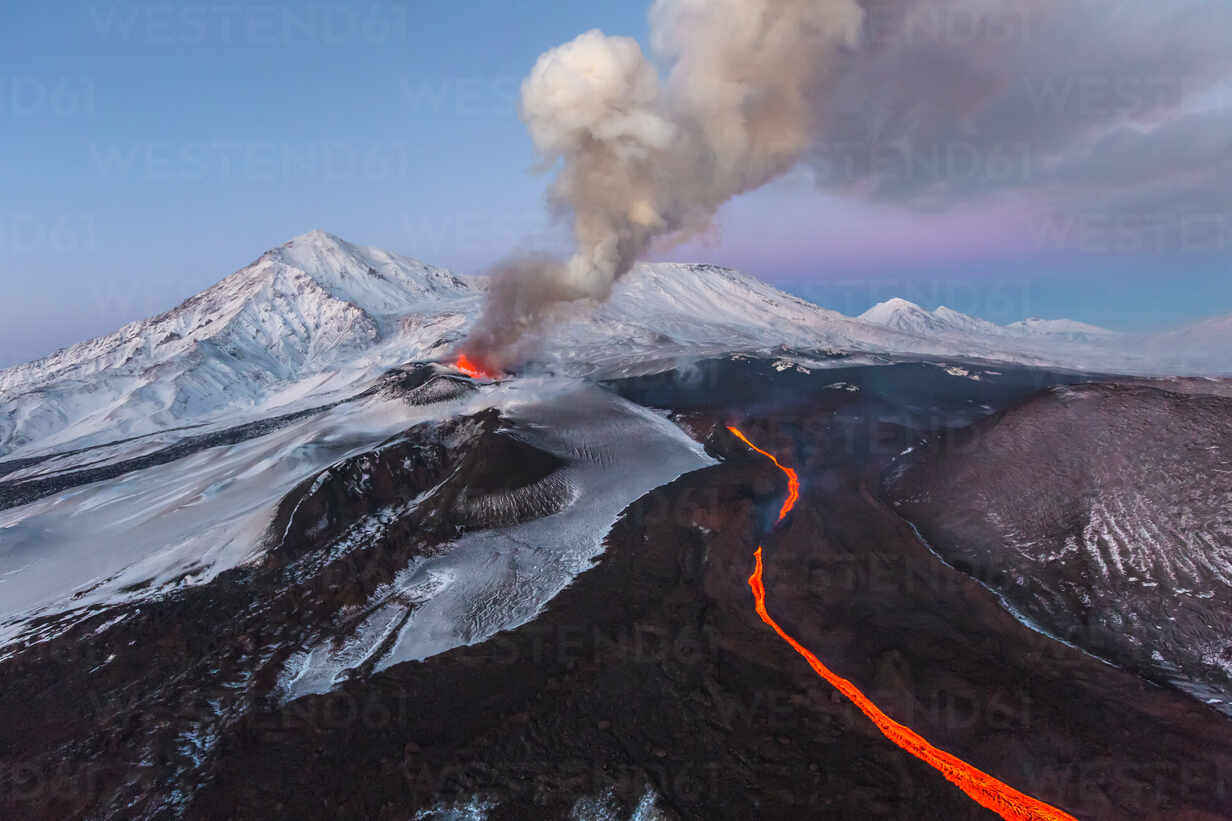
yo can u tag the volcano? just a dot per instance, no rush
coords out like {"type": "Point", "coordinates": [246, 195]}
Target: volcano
{"type": "Point", "coordinates": [283, 552]}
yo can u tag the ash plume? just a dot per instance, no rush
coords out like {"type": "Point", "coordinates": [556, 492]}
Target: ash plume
{"type": "Point", "coordinates": [644, 158]}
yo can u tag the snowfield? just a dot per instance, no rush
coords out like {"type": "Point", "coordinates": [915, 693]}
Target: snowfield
{"type": "Point", "coordinates": [500, 578]}
{"type": "Point", "coordinates": [150, 530]}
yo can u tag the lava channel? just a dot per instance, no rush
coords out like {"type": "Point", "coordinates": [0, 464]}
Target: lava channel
{"type": "Point", "coordinates": [981, 787]}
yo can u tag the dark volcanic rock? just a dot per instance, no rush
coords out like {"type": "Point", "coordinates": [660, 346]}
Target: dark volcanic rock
{"type": "Point", "coordinates": [424, 384]}
{"type": "Point", "coordinates": [1104, 515]}
{"type": "Point", "coordinates": [479, 473]}
{"type": "Point", "coordinates": [652, 670]}
{"type": "Point", "coordinates": [119, 715]}
{"type": "Point", "coordinates": [649, 678]}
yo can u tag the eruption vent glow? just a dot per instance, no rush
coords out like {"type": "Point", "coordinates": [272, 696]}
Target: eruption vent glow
{"type": "Point", "coordinates": [981, 787]}
{"type": "Point", "coordinates": [473, 370]}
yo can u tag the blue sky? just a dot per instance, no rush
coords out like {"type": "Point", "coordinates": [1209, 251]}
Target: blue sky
{"type": "Point", "coordinates": [148, 149]}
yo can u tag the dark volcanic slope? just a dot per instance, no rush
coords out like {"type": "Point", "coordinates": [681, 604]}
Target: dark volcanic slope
{"type": "Point", "coordinates": [1103, 514]}
{"type": "Point", "coordinates": [652, 671]}
{"type": "Point", "coordinates": [650, 679]}
{"type": "Point", "coordinates": [117, 717]}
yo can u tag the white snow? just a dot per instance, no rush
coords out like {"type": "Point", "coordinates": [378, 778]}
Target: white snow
{"type": "Point", "coordinates": [603, 808]}
{"type": "Point", "coordinates": [475, 809]}
{"type": "Point", "coordinates": [185, 522]}
{"type": "Point", "coordinates": [498, 579]}
{"type": "Point", "coordinates": [307, 321]}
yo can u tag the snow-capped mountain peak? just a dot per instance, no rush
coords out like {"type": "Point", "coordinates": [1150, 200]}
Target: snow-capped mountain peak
{"type": "Point", "coordinates": [891, 308]}
{"type": "Point", "coordinates": [908, 317]}
{"type": "Point", "coordinates": [905, 316]}
{"type": "Point", "coordinates": [306, 307]}
{"type": "Point", "coordinates": [897, 313]}
{"type": "Point", "coordinates": [377, 281]}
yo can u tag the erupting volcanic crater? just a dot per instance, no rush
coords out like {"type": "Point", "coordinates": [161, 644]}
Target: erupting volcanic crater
{"type": "Point", "coordinates": [441, 591]}
{"type": "Point", "coordinates": [474, 370]}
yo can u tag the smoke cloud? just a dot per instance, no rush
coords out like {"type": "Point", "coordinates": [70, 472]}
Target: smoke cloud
{"type": "Point", "coordinates": [1109, 111]}
{"type": "Point", "coordinates": [947, 100]}
{"type": "Point", "coordinates": [643, 158]}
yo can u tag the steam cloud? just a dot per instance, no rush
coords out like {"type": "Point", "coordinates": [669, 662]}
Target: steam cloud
{"type": "Point", "coordinates": [1096, 107]}
{"type": "Point", "coordinates": [645, 159]}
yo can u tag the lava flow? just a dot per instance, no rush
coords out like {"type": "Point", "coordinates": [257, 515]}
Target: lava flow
{"type": "Point", "coordinates": [981, 787]}
{"type": "Point", "coordinates": [473, 370]}
{"type": "Point", "coordinates": [793, 481]}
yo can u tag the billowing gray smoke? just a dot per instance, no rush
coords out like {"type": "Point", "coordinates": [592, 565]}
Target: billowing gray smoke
{"type": "Point", "coordinates": [642, 159]}
{"type": "Point", "coordinates": [1093, 108]}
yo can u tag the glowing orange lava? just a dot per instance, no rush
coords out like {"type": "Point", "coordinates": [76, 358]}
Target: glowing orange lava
{"type": "Point", "coordinates": [471, 369]}
{"type": "Point", "coordinates": [793, 481]}
{"type": "Point", "coordinates": [981, 787]}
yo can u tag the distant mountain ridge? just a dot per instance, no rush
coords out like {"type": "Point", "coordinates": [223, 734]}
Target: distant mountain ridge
{"type": "Point", "coordinates": [1214, 333]}
{"type": "Point", "coordinates": [319, 318]}
{"type": "Point", "coordinates": [1203, 347]}
{"type": "Point", "coordinates": [911, 318]}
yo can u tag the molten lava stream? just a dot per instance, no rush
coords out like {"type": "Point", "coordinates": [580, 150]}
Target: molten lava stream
{"type": "Point", "coordinates": [981, 787]}
{"type": "Point", "coordinates": [793, 481]}
{"type": "Point", "coordinates": [471, 369]}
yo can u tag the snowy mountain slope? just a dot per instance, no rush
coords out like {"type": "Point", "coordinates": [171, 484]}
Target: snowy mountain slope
{"type": "Point", "coordinates": [1209, 332]}
{"type": "Point", "coordinates": [660, 312]}
{"type": "Point", "coordinates": [665, 310]}
{"type": "Point", "coordinates": [318, 319]}
{"type": "Point", "coordinates": [314, 306]}
{"type": "Point", "coordinates": [965, 323]}
{"type": "Point", "coordinates": [497, 578]}
{"type": "Point", "coordinates": [1063, 330]}
{"type": "Point", "coordinates": [1205, 345]}
{"type": "Point", "coordinates": [168, 525]}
